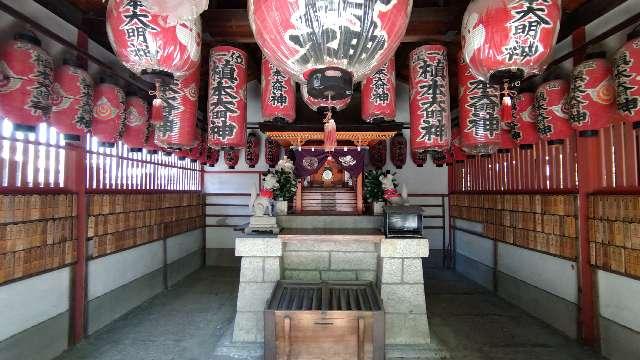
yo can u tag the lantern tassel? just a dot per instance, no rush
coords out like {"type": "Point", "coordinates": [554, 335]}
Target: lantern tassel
{"type": "Point", "coordinates": [330, 136]}
{"type": "Point", "coordinates": [156, 106]}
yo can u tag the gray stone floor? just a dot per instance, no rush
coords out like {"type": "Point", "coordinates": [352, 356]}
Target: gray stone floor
{"type": "Point", "coordinates": [192, 321]}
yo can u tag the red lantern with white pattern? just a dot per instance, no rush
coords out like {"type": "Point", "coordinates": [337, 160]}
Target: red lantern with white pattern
{"type": "Point", "coordinates": [71, 100]}
{"type": "Point", "coordinates": [227, 104]}
{"type": "Point", "coordinates": [252, 151]}
{"type": "Point", "coordinates": [378, 98]}
{"type": "Point", "coordinates": [278, 94]}
{"type": "Point", "coordinates": [398, 150]}
{"type": "Point", "coordinates": [479, 104]}
{"type": "Point", "coordinates": [523, 129]}
{"type": "Point", "coordinates": [231, 158]}
{"type": "Point", "coordinates": [552, 111]}
{"type": "Point", "coordinates": [592, 96]}
{"type": "Point", "coordinates": [378, 154]}
{"type": "Point", "coordinates": [429, 103]}
{"type": "Point", "coordinates": [108, 113]}
{"type": "Point", "coordinates": [626, 70]}
{"type": "Point", "coordinates": [26, 76]}
{"type": "Point", "coordinates": [136, 123]}
{"type": "Point", "coordinates": [179, 113]}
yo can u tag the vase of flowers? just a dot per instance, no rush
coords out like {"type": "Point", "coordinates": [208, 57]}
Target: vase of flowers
{"type": "Point", "coordinates": [287, 186]}
{"type": "Point", "coordinates": [373, 190]}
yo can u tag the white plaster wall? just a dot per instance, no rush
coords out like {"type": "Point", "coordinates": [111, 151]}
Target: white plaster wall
{"type": "Point", "coordinates": [221, 237]}
{"type": "Point", "coordinates": [183, 244]}
{"type": "Point", "coordinates": [619, 299]}
{"type": "Point", "coordinates": [227, 182]}
{"type": "Point", "coordinates": [110, 272]}
{"type": "Point", "coordinates": [472, 246]}
{"type": "Point", "coordinates": [29, 302]}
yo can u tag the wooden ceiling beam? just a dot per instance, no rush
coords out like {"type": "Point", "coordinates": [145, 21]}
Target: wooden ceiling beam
{"type": "Point", "coordinates": [584, 12]}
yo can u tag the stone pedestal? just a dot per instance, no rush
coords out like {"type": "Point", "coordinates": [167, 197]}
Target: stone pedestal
{"type": "Point", "coordinates": [259, 273]}
{"type": "Point", "coordinates": [402, 291]}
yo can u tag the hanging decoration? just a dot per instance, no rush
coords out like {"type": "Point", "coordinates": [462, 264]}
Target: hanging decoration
{"type": "Point", "coordinates": [419, 157]}
{"type": "Point", "coordinates": [271, 152]}
{"type": "Point", "coordinates": [330, 45]}
{"type": "Point", "coordinates": [71, 100]}
{"type": "Point", "coordinates": [323, 106]}
{"type": "Point", "coordinates": [627, 77]}
{"type": "Point", "coordinates": [330, 138]}
{"type": "Point", "coordinates": [231, 157]}
{"type": "Point", "coordinates": [213, 156]}
{"type": "Point", "coordinates": [552, 112]}
{"type": "Point", "coordinates": [398, 150]}
{"type": "Point", "coordinates": [479, 104]}
{"type": "Point", "coordinates": [227, 106]}
{"type": "Point", "coordinates": [378, 98]}
{"type": "Point", "coordinates": [278, 94]}
{"type": "Point", "coordinates": [149, 142]}
{"type": "Point", "coordinates": [178, 128]}
{"type": "Point", "coordinates": [523, 129]}
{"type": "Point", "coordinates": [429, 103]}
{"type": "Point", "coordinates": [592, 96]}
{"type": "Point", "coordinates": [504, 41]}
{"type": "Point", "coordinates": [136, 121]}
{"type": "Point", "coordinates": [378, 154]}
{"type": "Point", "coordinates": [252, 150]}
{"type": "Point", "coordinates": [438, 157]}
{"type": "Point", "coordinates": [108, 113]}
{"type": "Point", "coordinates": [26, 76]}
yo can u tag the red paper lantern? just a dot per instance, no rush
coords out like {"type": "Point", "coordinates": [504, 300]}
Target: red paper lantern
{"type": "Point", "coordinates": [627, 76]}
{"type": "Point", "coordinates": [439, 158]}
{"type": "Point", "coordinates": [398, 150]}
{"type": "Point", "coordinates": [227, 107]}
{"type": "Point", "coordinates": [523, 129]}
{"type": "Point", "coordinates": [271, 152]}
{"type": "Point", "coordinates": [553, 112]}
{"type": "Point", "coordinates": [378, 97]}
{"type": "Point", "coordinates": [26, 76]}
{"type": "Point", "coordinates": [179, 112]}
{"type": "Point", "coordinates": [231, 158]}
{"type": "Point", "coordinates": [479, 104]}
{"type": "Point", "coordinates": [146, 43]}
{"type": "Point", "coordinates": [592, 96]}
{"type": "Point", "coordinates": [429, 103]}
{"type": "Point", "coordinates": [378, 154]}
{"type": "Point", "coordinates": [278, 94]}
{"type": "Point", "coordinates": [252, 151]}
{"type": "Point", "coordinates": [108, 113]}
{"type": "Point", "coordinates": [213, 156]}
{"type": "Point", "coordinates": [419, 157]}
{"type": "Point", "coordinates": [328, 45]}
{"type": "Point", "coordinates": [71, 100]}
{"type": "Point", "coordinates": [136, 123]}
{"type": "Point", "coordinates": [150, 140]}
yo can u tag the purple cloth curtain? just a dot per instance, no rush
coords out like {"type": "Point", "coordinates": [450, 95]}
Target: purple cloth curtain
{"type": "Point", "coordinates": [309, 161]}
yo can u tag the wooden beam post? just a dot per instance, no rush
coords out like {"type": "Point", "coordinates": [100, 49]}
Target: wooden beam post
{"type": "Point", "coordinates": [359, 201]}
{"type": "Point", "coordinates": [298, 199]}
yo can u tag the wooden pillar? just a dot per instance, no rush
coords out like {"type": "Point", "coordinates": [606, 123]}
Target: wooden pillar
{"type": "Point", "coordinates": [359, 201]}
{"type": "Point", "coordinates": [298, 199]}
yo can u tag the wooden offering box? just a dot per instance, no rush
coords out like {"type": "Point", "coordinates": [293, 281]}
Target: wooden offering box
{"type": "Point", "coordinates": [336, 320]}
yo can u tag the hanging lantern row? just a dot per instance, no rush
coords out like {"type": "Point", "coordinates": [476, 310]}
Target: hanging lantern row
{"type": "Point", "coordinates": [429, 103]}
{"type": "Point", "coordinates": [178, 128]}
{"type": "Point", "coordinates": [271, 152]}
{"type": "Point", "coordinates": [108, 113]}
{"type": "Point", "coordinates": [135, 125]}
{"type": "Point", "coordinates": [231, 158]}
{"type": "Point", "coordinates": [213, 156]}
{"type": "Point", "coordinates": [419, 158]}
{"type": "Point", "coordinates": [378, 94]}
{"type": "Point", "coordinates": [398, 150]}
{"type": "Point", "coordinates": [278, 94]}
{"type": "Point", "coordinates": [552, 120]}
{"type": "Point", "coordinates": [523, 129]}
{"type": "Point", "coordinates": [252, 150]}
{"type": "Point", "coordinates": [627, 77]}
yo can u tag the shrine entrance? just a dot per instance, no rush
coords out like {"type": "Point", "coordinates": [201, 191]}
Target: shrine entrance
{"type": "Point", "coordinates": [329, 190]}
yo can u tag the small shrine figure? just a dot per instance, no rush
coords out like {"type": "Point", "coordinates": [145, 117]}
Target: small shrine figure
{"type": "Point", "coordinates": [391, 194]}
{"type": "Point", "coordinates": [261, 205]}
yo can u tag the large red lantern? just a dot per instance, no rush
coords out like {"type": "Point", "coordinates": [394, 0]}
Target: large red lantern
{"type": "Point", "coordinates": [378, 154]}
{"type": "Point", "coordinates": [108, 113]}
{"type": "Point", "coordinates": [231, 157]}
{"type": "Point", "coordinates": [227, 106]}
{"type": "Point", "coordinates": [328, 45]}
{"type": "Point", "coordinates": [429, 103]}
{"type": "Point", "coordinates": [71, 100]}
{"type": "Point", "coordinates": [271, 152]}
{"type": "Point", "coordinates": [252, 151]}
{"type": "Point", "coordinates": [136, 123]}
{"type": "Point", "coordinates": [26, 76]}
{"type": "Point", "coordinates": [627, 76]}
{"type": "Point", "coordinates": [552, 111]}
{"type": "Point", "coordinates": [398, 150]}
{"type": "Point", "coordinates": [479, 104]}
{"type": "Point", "coordinates": [378, 96]}
{"type": "Point", "coordinates": [278, 94]}
{"type": "Point", "coordinates": [592, 96]}
{"type": "Point", "coordinates": [523, 128]}
{"type": "Point", "coordinates": [179, 112]}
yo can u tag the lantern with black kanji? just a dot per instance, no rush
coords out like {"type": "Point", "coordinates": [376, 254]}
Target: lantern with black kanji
{"type": "Point", "coordinates": [592, 96]}
{"type": "Point", "coordinates": [429, 103]}
{"type": "Point", "coordinates": [178, 128]}
{"type": "Point", "coordinates": [71, 100]}
{"type": "Point", "coordinates": [419, 157]}
{"type": "Point", "coordinates": [136, 123]}
{"type": "Point", "coordinates": [271, 152]}
{"type": "Point", "coordinates": [479, 105]}
{"type": "Point", "coordinates": [328, 46]}
{"type": "Point", "coordinates": [378, 95]}
{"type": "Point", "coordinates": [523, 129]}
{"type": "Point", "coordinates": [26, 76]}
{"type": "Point", "coordinates": [278, 94]}
{"type": "Point", "coordinates": [626, 71]}
{"type": "Point", "coordinates": [227, 104]}
{"type": "Point", "coordinates": [504, 41]}
{"type": "Point", "coordinates": [552, 111]}
{"type": "Point", "coordinates": [398, 154]}
{"type": "Point", "coordinates": [378, 154]}
{"type": "Point", "coordinates": [252, 151]}
{"type": "Point", "coordinates": [213, 156]}
{"type": "Point", "coordinates": [108, 112]}
{"type": "Point", "coordinates": [231, 157]}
